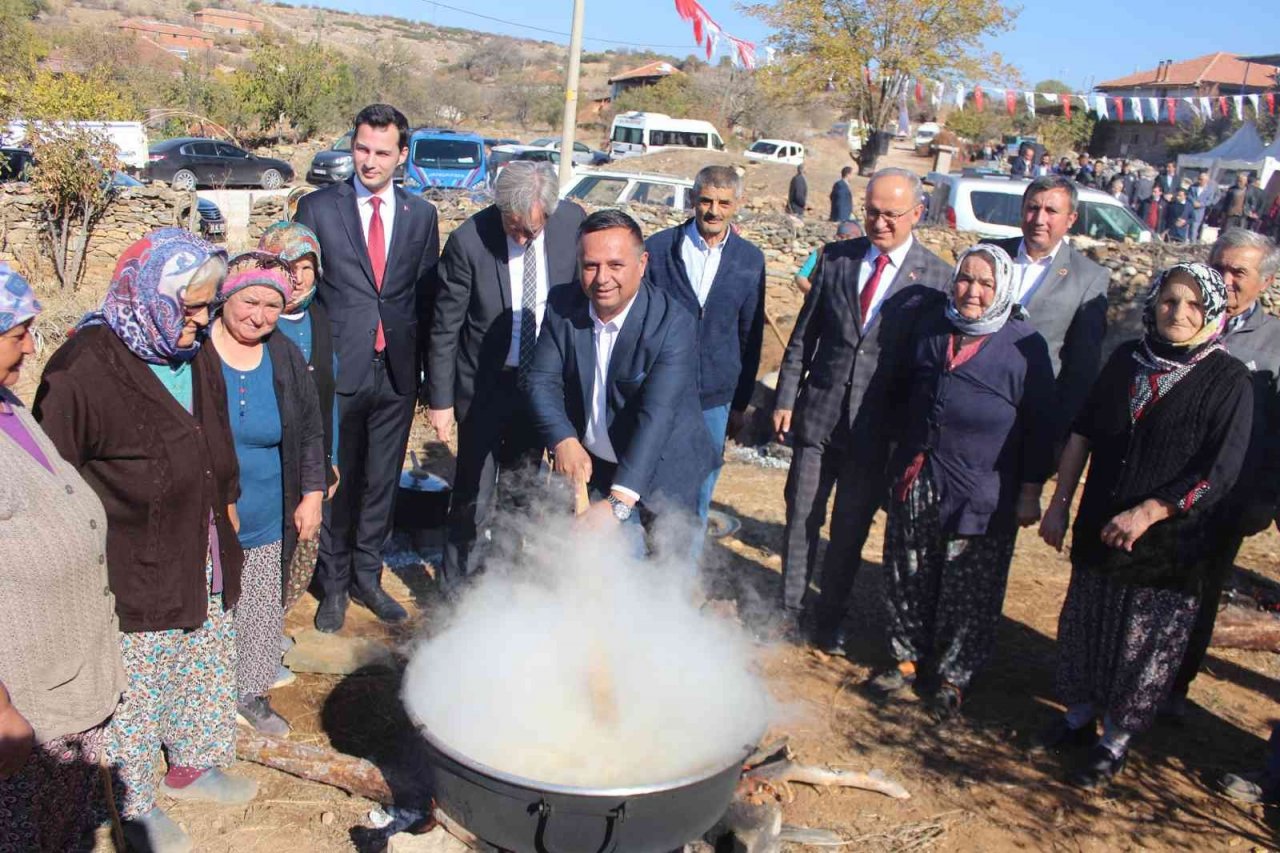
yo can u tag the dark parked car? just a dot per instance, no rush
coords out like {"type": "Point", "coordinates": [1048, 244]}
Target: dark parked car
{"type": "Point", "coordinates": [212, 226]}
{"type": "Point", "coordinates": [14, 162]}
{"type": "Point", "coordinates": [192, 162]}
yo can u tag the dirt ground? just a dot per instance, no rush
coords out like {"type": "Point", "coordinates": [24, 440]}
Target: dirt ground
{"type": "Point", "coordinates": [973, 785]}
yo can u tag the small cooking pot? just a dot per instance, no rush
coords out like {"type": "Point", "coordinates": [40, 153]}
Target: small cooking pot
{"type": "Point", "coordinates": [422, 502]}
{"type": "Point", "coordinates": [528, 816]}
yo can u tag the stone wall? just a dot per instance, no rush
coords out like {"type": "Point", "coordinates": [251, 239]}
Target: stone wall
{"type": "Point", "coordinates": [132, 213]}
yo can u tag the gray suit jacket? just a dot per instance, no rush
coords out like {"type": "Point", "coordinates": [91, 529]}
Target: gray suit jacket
{"type": "Point", "coordinates": [471, 325]}
{"type": "Point", "coordinates": [829, 370]}
{"type": "Point", "coordinates": [1069, 310]}
{"type": "Point", "coordinates": [1257, 343]}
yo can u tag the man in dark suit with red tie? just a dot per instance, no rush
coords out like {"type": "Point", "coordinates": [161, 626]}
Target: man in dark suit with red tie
{"type": "Point", "coordinates": [854, 319]}
{"type": "Point", "coordinates": [381, 246]}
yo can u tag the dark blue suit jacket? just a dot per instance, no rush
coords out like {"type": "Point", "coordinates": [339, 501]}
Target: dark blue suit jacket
{"type": "Point", "coordinates": [654, 419]}
{"type": "Point", "coordinates": [730, 325]}
{"type": "Point", "coordinates": [347, 291]}
{"type": "Point", "coordinates": [841, 201]}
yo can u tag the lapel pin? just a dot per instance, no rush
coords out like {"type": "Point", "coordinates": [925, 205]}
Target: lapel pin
{"type": "Point", "coordinates": [911, 276]}
{"type": "Point", "coordinates": [1062, 272]}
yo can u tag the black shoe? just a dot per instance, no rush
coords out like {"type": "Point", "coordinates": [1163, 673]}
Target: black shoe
{"type": "Point", "coordinates": [829, 637]}
{"type": "Point", "coordinates": [891, 681]}
{"type": "Point", "coordinates": [332, 613]}
{"type": "Point", "coordinates": [1098, 769]}
{"type": "Point", "coordinates": [946, 702]}
{"type": "Point", "coordinates": [382, 605]}
{"type": "Point", "coordinates": [1058, 737]}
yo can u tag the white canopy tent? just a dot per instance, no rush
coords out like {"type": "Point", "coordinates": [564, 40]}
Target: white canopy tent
{"type": "Point", "coordinates": [1244, 151]}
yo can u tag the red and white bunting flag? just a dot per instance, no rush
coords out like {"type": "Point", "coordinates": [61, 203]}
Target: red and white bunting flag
{"type": "Point", "coordinates": [1030, 98]}
{"type": "Point", "coordinates": [1253, 99]}
{"type": "Point", "coordinates": [1206, 109]}
{"type": "Point", "coordinates": [977, 97]}
{"type": "Point", "coordinates": [1222, 105]}
{"type": "Point", "coordinates": [1100, 106]}
{"type": "Point", "coordinates": [1172, 105]}
{"type": "Point", "coordinates": [1136, 105]}
{"type": "Point", "coordinates": [1237, 101]}
{"type": "Point", "coordinates": [1271, 103]}
{"type": "Point", "coordinates": [959, 96]}
{"type": "Point", "coordinates": [1010, 100]}
{"type": "Point", "coordinates": [1066, 107]}
{"type": "Point", "coordinates": [919, 93]}
{"type": "Point", "coordinates": [1119, 102]}
{"type": "Point", "coordinates": [1154, 103]}
{"type": "Point", "coordinates": [707, 33]}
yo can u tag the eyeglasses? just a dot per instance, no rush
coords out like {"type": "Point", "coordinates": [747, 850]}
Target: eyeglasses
{"type": "Point", "coordinates": [870, 213]}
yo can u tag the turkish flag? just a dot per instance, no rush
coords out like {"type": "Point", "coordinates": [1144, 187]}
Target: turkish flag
{"type": "Point", "coordinates": [977, 97]}
{"type": "Point", "coordinates": [1172, 104]}
{"type": "Point", "coordinates": [1271, 102]}
{"type": "Point", "coordinates": [1010, 100]}
{"type": "Point", "coordinates": [1066, 106]}
{"type": "Point", "coordinates": [1119, 102]}
{"type": "Point", "coordinates": [1222, 105]}
{"type": "Point", "coordinates": [919, 93]}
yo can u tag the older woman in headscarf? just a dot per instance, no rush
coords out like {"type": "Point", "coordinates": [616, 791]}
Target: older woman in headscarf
{"type": "Point", "coordinates": [1166, 427]}
{"type": "Point", "coordinates": [279, 440]}
{"type": "Point", "coordinates": [975, 448]}
{"type": "Point", "coordinates": [60, 672]}
{"type": "Point", "coordinates": [136, 405]}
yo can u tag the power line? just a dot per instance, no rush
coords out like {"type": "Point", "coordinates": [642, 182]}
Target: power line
{"type": "Point", "coordinates": [555, 32]}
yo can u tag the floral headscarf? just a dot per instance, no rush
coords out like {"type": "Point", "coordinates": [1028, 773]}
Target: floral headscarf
{"type": "Point", "coordinates": [144, 303]}
{"type": "Point", "coordinates": [18, 302]}
{"type": "Point", "coordinates": [1002, 305]}
{"type": "Point", "coordinates": [292, 241]}
{"type": "Point", "coordinates": [1163, 363]}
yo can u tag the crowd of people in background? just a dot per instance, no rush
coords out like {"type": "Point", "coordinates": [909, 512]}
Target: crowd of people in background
{"type": "Point", "coordinates": [221, 433]}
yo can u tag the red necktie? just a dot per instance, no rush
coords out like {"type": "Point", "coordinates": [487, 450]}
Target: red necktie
{"type": "Point", "coordinates": [378, 260]}
{"type": "Point", "coordinates": [1153, 213]}
{"type": "Point", "coordinates": [869, 291]}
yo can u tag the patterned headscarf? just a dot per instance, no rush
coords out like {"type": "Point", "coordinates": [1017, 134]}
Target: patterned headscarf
{"type": "Point", "coordinates": [293, 241]}
{"type": "Point", "coordinates": [144, 303]}
{"type": "Point", "coordinates": [1163, 363]}
{"type": "Point", "coordinates": [1002, 306]}
{"type": "Point", "coordinates": [18, 302]}
{"type": "Point", "coordinates": [275, 279]}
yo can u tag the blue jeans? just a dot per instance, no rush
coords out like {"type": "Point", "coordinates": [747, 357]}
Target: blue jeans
{"type": "Point", "coordinates": [717, 421]}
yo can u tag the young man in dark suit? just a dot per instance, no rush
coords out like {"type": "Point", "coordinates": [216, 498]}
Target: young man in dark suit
{"type": "Point", "coordinates": [381, 246]}
{"type": "Point", "coordinates": [613, 390]}
{"type": "Point", "coordinates": [495, 274]}
{"type": "Point", "coordinates": [719, 276]}
{"type": "Point", "coordinates": [1064, 292]}
{"type": "Point", "coordinates": [829, 400]}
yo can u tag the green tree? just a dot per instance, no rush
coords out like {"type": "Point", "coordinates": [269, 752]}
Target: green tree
{"type": "Point", "coordinates": [87, 97]}
{"type": "Point", "coordinates": [867, 53]}
{"type": "Point", "coordinates": [304, 86]}
{"type": "Point", "coordinates": [71, 176]}
{"type": "Point", "coordinates": [19, 50]}
{"type": "Point", "coordinates": [677, 96]}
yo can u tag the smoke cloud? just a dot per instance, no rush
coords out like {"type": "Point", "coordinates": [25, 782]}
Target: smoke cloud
{"type": "Point", "coordinates": [578, 662]}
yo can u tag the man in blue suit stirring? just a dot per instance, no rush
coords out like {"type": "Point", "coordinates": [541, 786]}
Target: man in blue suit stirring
{"type": "Point", "coordinates": [613, 390]}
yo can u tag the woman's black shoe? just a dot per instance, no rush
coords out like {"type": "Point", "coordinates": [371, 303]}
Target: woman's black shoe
{"type": "Point", "coordinates": [1098, 769]}
{"type": "Point", "coordinates": [946, 702]}
{"type": "Point", "coordinates": [1059, 737]}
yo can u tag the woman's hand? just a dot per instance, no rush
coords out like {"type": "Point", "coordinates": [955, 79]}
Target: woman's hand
{"type": "Point", "coordinates": [1028, 510]}
{"type": "Point", "coordinates": [1053, 526]}
{"type": "Point", "coordinates": [307, 516]}
{"type": "Point", "coordinates": [337, 479]}
{"type": "Point", "coordinates": [16, 737]}
{"type": "Point", "coordinates": [1127, 528]}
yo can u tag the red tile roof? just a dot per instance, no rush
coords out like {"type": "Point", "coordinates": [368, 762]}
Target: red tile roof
{"type": "Point", "coordinates": [659, 68]}
{"type": "Point", "coordinates": [1222, 68]}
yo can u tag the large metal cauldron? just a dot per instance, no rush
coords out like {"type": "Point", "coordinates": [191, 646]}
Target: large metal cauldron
{"type": "Point", "coordinates": [524, 815]}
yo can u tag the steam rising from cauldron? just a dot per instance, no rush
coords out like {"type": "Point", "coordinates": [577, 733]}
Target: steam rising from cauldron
{"type": "Point", "coordinates": [508, 682]}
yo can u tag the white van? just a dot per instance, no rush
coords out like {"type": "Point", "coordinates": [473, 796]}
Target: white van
{"type": "Point", "coordinates": [129, 137]}
{"type": "Point", "coordinates": [776, 151]}
{"type": "Point", "coordinates": [633, 134]}
{"type": "Point", "coordinates": [925, 134]}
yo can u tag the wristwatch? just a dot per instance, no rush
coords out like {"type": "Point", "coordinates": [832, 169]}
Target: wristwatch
{"type": "Point", "coordinates": [620, 510]}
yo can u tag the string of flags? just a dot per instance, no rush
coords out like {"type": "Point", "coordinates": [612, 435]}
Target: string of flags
{"type": "Point", "coordinates": [1106, 107]}
{"type": "Point", "coordinates": [711, 36]}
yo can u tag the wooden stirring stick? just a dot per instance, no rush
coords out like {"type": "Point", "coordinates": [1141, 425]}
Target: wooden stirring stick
{"type": "Point", "coordinates": [600, 686]}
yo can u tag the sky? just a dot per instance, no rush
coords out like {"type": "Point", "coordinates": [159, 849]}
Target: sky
{"type": "Point", "coordinates": [1080, 42]}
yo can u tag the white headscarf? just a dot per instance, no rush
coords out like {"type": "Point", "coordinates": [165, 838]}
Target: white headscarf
{"type": "Point", "coordinates": [1001, 307]}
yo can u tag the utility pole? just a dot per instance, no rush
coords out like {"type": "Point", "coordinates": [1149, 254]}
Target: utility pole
{"type": "Point", "coordinates": [570, 126]}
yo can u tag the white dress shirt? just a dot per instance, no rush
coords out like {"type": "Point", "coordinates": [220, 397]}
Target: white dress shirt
{"type": "Point", "coordinates": [1028, 275]}
{"type": "Point", "coordinates": [516, 257]}
{"type": "Point", "coordinates": [595, 438]}
{"type": "Point", "coordinates": [701, 261]}
{"type": "Point", "coordinates": [387, 211]}
{"type": "Point", "coordinates": [868, 266]}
